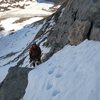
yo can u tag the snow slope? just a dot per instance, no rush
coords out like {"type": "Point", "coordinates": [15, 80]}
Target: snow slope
{"type": "Point", "coordinates": [12, 47]}
{"type": "Point", "coordinates": [16, 38]}
{"type": "Point", "coordinates": [73, 73]}
{"type": "Point", "coordinates": [11, 27]}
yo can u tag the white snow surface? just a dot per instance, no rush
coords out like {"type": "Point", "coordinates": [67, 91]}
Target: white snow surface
{"type": "Point", "coordinates": [10, 26]}
{"type": "Point", "coordinates": [73, 73]}
{"type": "Point", "coordinates": [11, 46]}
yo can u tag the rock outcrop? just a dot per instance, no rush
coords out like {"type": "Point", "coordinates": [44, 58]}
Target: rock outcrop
{"type": "Point", "coordinates": [78, 32]}
{"type": "Point", "coordinates": [14, 85]}
{"type": "Point", "coordinates": [95, 33]}
{"type": "Point", "coordinates": [75, 21]}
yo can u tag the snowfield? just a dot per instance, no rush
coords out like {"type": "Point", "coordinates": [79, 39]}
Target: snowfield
{"type": "Point", "coordinates": [11, 27]}
{"type": "Point", "coordinates": [32, 9]}
{"type": "Point", "coordinates": [12, 47]}
{"type": "Point", "coordinates": [16, 37]}
{"type": "Point", "coordinates": [73, 73]}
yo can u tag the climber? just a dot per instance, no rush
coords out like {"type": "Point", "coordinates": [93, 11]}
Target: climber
{"type": "Point", "coordinates": [35, 54]}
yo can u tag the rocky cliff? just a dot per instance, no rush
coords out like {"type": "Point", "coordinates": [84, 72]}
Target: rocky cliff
{"type": "Point", "coordinates": [75, 21]}
{"type": "Point", "coordinates": [13, 87]}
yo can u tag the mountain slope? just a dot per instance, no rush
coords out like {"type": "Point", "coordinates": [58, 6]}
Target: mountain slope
{"type": "Point", "coordinates": [15, 39]}
{"type": "Point", "coordinates": [70, 74]}
{"type": "Point", "coordinates": [14, 48]}
{"type": "Point", "coordinates": [75, 21]}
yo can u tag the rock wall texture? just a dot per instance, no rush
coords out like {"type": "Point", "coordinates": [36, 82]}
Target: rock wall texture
{"type": "Point", "coordinates": [14, 85]}
{"type": "Point", "coordinates": [75, 21]}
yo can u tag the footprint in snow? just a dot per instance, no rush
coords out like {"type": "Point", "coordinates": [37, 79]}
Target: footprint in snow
{"type": "Point", "coordinates": [58, 75]}
{"type": "Point", "coordinates": [55, 92]}
{"type": "Point", "coordinates": [49, 86]}
{"type": "Point", "coordinates": [51, 70]}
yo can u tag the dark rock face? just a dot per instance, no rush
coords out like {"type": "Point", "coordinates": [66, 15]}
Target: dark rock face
{"type": "Point", "coordinates": [78, 32]}
{"type": "Point", "coordinates": [1, 28]}
{"type": "Point", "coordinates": [75, 21]}
{"type": "Point", "coordinates": [78, 19]}
{"type": "Point", "coordinates": [14, 85]}
{"type": "Point", "coordinates": [95, 33]}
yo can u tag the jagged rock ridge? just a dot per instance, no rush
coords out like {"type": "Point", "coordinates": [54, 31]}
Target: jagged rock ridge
{"type": "Point", "coordinates": [75, 21]}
